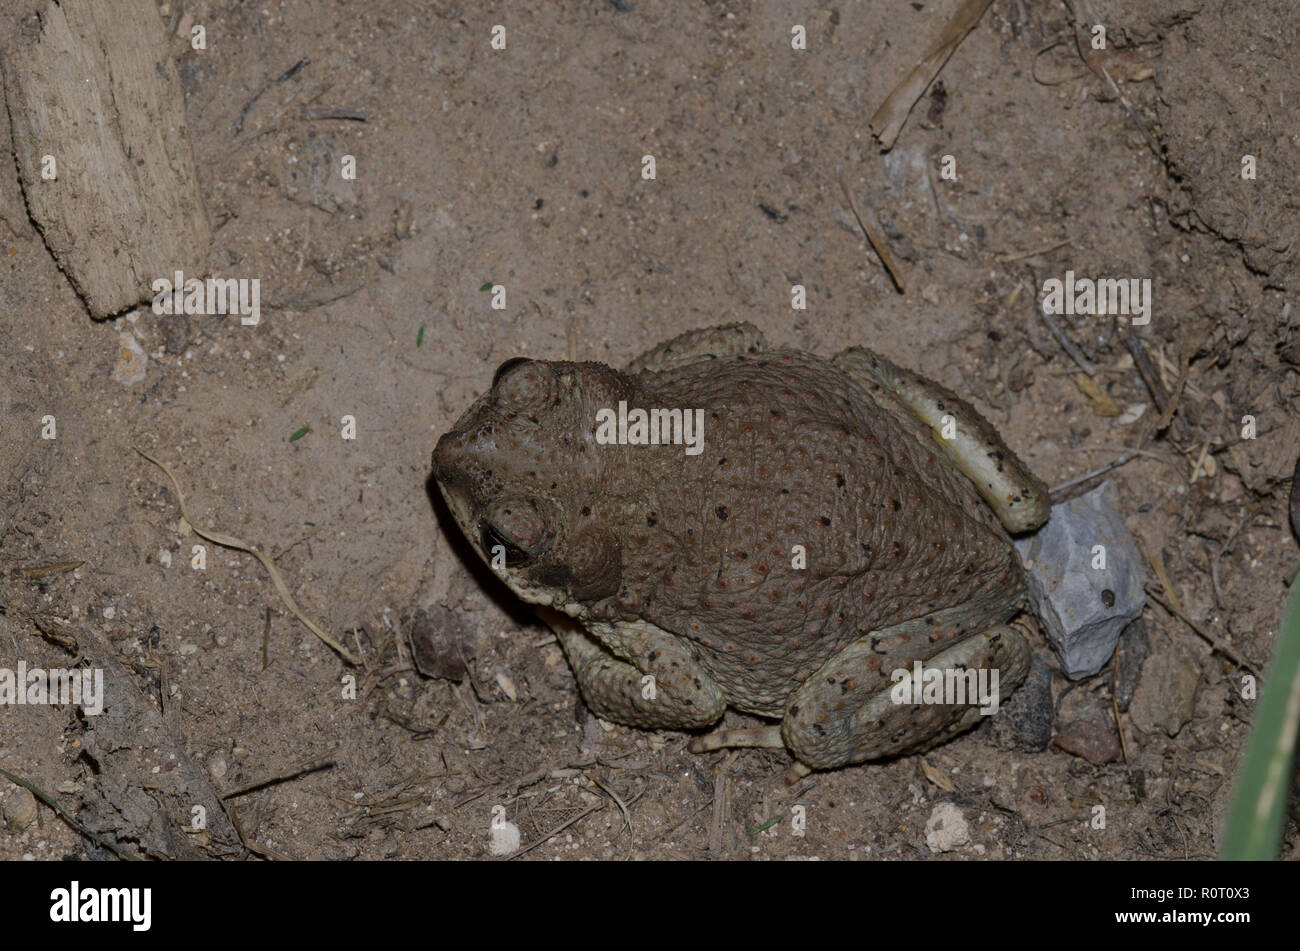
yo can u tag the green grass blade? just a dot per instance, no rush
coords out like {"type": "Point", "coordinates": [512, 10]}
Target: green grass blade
{"type": "Point", "coordinates": [1264, 784]}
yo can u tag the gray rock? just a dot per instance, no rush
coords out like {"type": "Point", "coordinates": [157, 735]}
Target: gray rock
{"type": "Point", "coordinates": [1083, 608]}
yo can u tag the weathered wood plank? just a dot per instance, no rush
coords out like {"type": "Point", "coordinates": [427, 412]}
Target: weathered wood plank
{"type": "Point", "coordinates": [90, 84]}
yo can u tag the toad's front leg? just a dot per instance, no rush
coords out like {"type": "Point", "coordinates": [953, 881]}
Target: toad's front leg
{"type": "Point", "coordinates": [614, 665]}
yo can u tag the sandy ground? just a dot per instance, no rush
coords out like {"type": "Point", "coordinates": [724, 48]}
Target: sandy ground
{"type": "Point", "coordinates": [522, 167]}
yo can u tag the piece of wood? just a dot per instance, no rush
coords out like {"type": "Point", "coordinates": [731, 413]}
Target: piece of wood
{"type": "Point", "coordinates": [888, 120]}
{"type": "Point", "coordinates": [90, 85]}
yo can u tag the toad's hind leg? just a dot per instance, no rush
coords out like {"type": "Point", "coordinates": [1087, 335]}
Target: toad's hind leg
{"type": "Point", "coordinates": [703, 344]}
{"type": "Point", "coordinates": [615, 674]}
{"type": "Point", "coordinates": [848, 713]}
{"type": "Point", "coordinates": [1016, 495]}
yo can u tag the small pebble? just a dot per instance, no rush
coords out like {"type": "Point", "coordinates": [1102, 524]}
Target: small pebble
{"type": "Point", "coordinates": [503, 838]}
{"type": "Point", "coordinates": [1087, 727]}
{"type": "Point", "coordinates": [19, 809]}
{"type": "Point", "coordinates": [131, 360]}
{"type": "Point", "coordinates": [946, 829]}
{"type": "Point", "coordinates": [217, 766]}
{"type": "Point", "coordinates": [1024, 720]}
{"type": "Point", "coordinates": [1165, 697]}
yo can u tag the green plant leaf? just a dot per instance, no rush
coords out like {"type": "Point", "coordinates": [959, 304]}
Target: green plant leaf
{"type": "Point", "coordinates": [1254, 829]}
{"type": "Point", "coordinates": [299, 434]}
{"type": "Point", "coordinates": [419, 336]}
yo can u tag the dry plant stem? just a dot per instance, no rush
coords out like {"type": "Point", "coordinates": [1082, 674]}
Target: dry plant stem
{"type": "Point", "coordinates": [1114, 706]}
{"type": "Point", "coordinates": [558, 829]}
{"type": "Point", "coordinates": [1061, 493]}
{"type": "Point", "coordinates": [1188, 348]}
{"type": "Point", "coordinates": [266, 640]}
{"type": "Point", "coordinates": [874, 238]}
{"type": "Point", "coordinates": [63, 814]}
{"type": "Point", "coordinates": [1206, 636]}
{"type": "Point", "coordinates": [1021, 255]}
{"type": "Point", "coordinates": [888, 120]}
{"type": "Point", "coordinates": [32, 572]}
{"type": "Point", "coordinates": [230, 541]}
{"type": "Point", "coordinates": [1058, 334]}
{"type": "Point", "coordinates": [309, 765]}
{"type": "Point", "coordinates": [627, 818]}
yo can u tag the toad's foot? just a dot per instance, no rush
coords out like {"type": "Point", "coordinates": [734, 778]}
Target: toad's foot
{"type": "Point", "coordinates": [840, 716]}
{"type": "Point", "coordinates": [765, 737]}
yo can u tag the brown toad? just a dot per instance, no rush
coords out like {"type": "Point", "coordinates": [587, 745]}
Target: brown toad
{"type": "Point", "coordinates": [821, 536]}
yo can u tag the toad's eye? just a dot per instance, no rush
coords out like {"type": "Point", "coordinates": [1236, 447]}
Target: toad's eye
{"type": "Point", "coordinates": [524, 386]}
{"type": "Point", "coordinates": [516, 525]}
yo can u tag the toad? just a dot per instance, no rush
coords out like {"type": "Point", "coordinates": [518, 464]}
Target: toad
{"type": "Point", "coordinates": [836, 522]}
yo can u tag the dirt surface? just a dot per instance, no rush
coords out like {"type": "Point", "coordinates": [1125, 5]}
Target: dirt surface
{"type": "Point", "coordinates": [522, 167]}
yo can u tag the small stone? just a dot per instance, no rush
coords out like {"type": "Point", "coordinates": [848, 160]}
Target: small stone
{"type": "Point", "coordinates": [217, 766]}
{"type": "Point", "coordinates": [1231, 489]}
{"type": "Point", "coordinates": [178, 331]}
{"type": "Point", "coordinates": [1088, 728]}
{"type": "Point", "coordinates": [1165, 697]}
{"type": "Point", "coordinates": [1024, 720]}
{"type": "Point", "coordinates": [131, 360]}
{"type": "Point", "coordinates": [503, 838]}
{"type": "Point", "coordinates": [1132, 651]}
{"type": "Point", "coordinates": [507, 685]}
{"type": "Point", "coordinates": [946, 829]}
{"type": "Point", "coordinates": [440, 644]}
{"type": "Point", "coordinates": [19, 809]}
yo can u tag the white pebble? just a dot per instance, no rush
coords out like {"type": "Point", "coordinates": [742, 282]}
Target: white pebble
{"type": "Point", "coordinates": [946, 828]}
{"type": "Point", "coordinates": [504, 838]}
